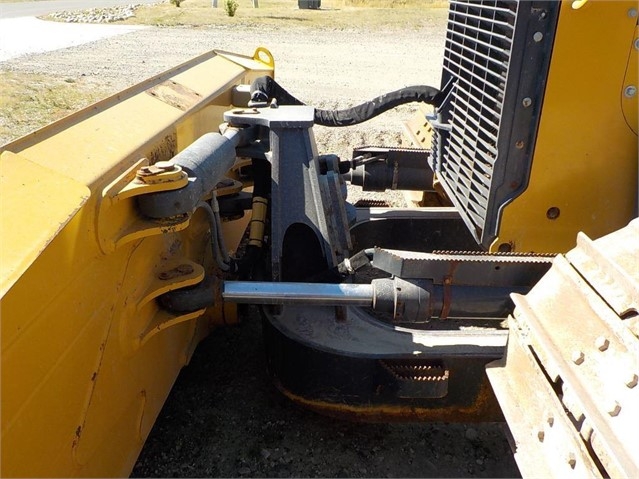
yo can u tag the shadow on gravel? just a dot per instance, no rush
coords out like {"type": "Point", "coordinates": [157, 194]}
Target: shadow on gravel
{"type": "Point", "coordinates": [224, 419]}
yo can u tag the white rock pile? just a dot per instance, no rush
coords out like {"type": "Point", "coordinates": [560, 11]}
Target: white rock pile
{"type": "Point", "coordinates": [96, 15]}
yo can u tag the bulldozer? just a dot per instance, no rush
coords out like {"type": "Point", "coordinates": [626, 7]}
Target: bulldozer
{"type": "Point", "coordinates": [508, 289]}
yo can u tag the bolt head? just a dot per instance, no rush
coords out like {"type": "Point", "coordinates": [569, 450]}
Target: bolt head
{"type": "Point", "coordinates": [526, 102]}
{"type": "Point", "coordinates": [164, 165]}
{"type": "Point", "coordinates": [637, 44]}
{"type": "Point", "coordinates": [538, 36]}
{"type": "Point", "coordinates": [602, 343]}
{"type": "Point", "coordinates": [632, 13]}
{"type": "Point", "coordinates": [578, 357]}
{"type": "Point", "coordinates": [553, 213]}
{"type": "Point", "coordinates": [630, 91]}
{"type": "Point", "coordinates": [632, 380]}
{"type": "Point", "coordinates": [614, 409]}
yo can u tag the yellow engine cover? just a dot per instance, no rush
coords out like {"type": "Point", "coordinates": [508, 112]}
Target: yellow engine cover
{"type": "Point", "coordinates": [584, 168]}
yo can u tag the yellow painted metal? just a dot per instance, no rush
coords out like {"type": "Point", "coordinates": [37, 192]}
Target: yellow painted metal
{"type": "Point", "coordinates": [418, 129]}
{"type": "Point", "coordinates": [630, 93]}
{"type": "Point", "coordinates": [584, 170]}
{"type": "Point", "coordinates": [88, 357]}
{"type": "Point", "coordinates": [56, 199]}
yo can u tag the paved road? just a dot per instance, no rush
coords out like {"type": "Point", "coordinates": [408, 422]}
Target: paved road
{"type": "Point", "coordinates": [21, 33]}
{"type": "Point", "coordinates": [44, 7]}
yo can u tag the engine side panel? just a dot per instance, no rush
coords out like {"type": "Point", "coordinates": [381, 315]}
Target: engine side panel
{"type": "Point", "coordinates": [584, 168]}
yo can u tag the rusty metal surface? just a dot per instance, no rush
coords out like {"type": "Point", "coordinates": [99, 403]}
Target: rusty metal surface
{"type": "Point", "coordinates": [484, 408]}
{"type": "Point", "coordinates": [577, 323]}
{"type": "Point", "coordinates": [611, 265]}
{"type": "Point", "coordinates": [175, 94]}
{"type": "Point", "coordinates": [545, 444]}
{"type": "Point", "coordinates": [464, 268]}
{"type": "Point", "coordinates": [416, 380]}
{"type": "Point", "coordinates": [371, 203]}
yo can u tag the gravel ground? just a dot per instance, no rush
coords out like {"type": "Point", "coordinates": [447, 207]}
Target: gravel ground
{"type": "Point", "coordinates": [223, 419]}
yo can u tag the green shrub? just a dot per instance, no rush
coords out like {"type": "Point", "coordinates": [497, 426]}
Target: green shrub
{"type": "Point", "coordinates": [230, 7]}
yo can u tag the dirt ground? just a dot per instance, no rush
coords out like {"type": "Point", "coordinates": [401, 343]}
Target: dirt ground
{"type": "Point", "coordinates": [223, 417]}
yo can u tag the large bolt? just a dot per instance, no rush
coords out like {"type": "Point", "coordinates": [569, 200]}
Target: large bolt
{"type": "Point", "coordinates": [165, 165]}
{"type": "Point", "coordinates": [602, 343]}
{"type": "Point", "coordinates": [632, 380]}
{"type": "Point", "coordinates": [578, 357]}
{"type": "Point", "coordinates": [614, 409]}
{"type": "Point", "coordinates": [630, 91]}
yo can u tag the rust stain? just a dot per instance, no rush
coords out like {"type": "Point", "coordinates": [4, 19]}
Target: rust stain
{"type": "Point", "coordinates": [175, 94]}
{"type": "Point", "coordinates": [176, 272]}
{"type": "Point", "coordinates": [448, 281]}
{"type": "Point", "coordinates": [163, 151]}
{"type": "Point", "coordinates": [484, 408]}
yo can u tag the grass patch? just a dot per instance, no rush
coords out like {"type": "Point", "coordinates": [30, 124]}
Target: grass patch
{"type": "Point", "coordinates": [30, 101]}
{"type": "Point", "coordinates": [334, 14]}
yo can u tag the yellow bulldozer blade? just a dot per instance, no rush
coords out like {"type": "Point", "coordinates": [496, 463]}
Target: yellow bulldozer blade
{"type": "Point", "coordinates": [88, 357]}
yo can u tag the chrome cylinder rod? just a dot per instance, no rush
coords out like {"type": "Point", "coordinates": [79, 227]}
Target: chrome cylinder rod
{"type": "Point", "coordinates": [256, 292]}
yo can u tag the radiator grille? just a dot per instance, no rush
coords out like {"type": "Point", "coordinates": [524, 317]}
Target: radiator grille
{"type": "Point", "coordinates": [478, 160]}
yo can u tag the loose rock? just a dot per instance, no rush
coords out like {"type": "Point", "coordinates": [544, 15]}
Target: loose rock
{"type": "Point", "coordinates": [471, 434]}
{"type": "Point", "coordinates": [96, 15]}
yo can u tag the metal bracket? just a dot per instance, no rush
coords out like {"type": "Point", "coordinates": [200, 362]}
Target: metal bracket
{"type": "Point", "coordinates": [300, 194]}
{"type": "Point", "coordinates": [168, 276]}
{"type": "Point", "coordinates": [117, 221]}
{"type": "Point", "coordinates": [472, 268]}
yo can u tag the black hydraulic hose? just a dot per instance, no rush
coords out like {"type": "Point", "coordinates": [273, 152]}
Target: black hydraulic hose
{"type": "Point", "coordinates": [265, 88]}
